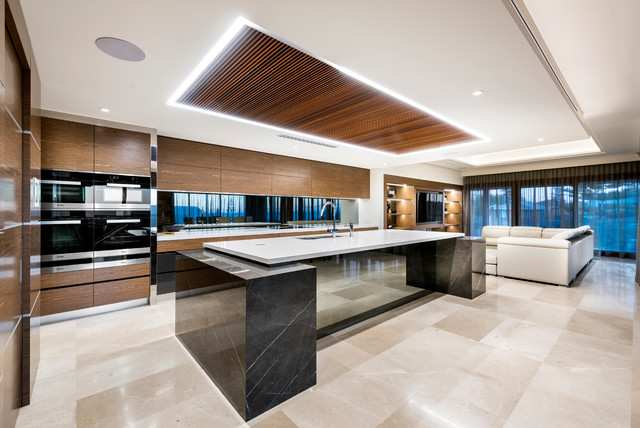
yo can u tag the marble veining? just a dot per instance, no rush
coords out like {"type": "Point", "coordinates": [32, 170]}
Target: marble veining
{"type": "Point", "coordinates": [251, 328]}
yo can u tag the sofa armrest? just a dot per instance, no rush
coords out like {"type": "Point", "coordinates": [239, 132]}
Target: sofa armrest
{"type": "Point", "coordinates": [535, 242]}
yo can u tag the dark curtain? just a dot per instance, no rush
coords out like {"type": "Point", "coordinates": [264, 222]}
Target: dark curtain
{"type": "Point", "coordinates": [604, 197]}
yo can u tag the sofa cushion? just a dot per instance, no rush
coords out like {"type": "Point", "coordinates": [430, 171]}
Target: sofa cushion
{"type": "Point", "coordinates": [526, 232]}
{"type": "Point", "coordinates": [495, 232]}
{"type": "Point", "coordinates": [567, 234]}
{"type": "Point", "coordinates": [550, 232]}
{"type": "Point", "coordinates": [534, 242]}
{"type": "Point", "coordinates": [492, 256]}
{"type": "Point", "coordinates": [585, 228]}
{"type": "Point", "coordinates": [491, 242]}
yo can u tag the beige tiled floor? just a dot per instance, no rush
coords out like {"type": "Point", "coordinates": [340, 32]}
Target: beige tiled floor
{"type": "Point", "coordinates": [524, 354]}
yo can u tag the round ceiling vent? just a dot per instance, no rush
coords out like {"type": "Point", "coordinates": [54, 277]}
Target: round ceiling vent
{"type": "Point", "coordinates": [120, 49]}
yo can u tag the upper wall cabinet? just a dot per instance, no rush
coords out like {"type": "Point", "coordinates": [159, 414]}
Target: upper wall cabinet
{"type": "Point", "coordinates": [190, 166]}
{"type": "Point", "coordinates": [67, 145]}
{"type": "Point", "coordinates": [185, 165]}
{"type": "Point", "coordinates": [356, 182]}
{"type": "Point", "coordinates": [122, 152]}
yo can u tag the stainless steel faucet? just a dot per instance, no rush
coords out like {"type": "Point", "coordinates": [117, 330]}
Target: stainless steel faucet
{"type": "Point", "coordinates": [334, 230]}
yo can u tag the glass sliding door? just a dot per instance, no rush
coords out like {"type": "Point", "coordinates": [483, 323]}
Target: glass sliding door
{"type": "Point", "coordinates": [546, 206]}
{"type": "Point", "coordinates": [611, 209]}
{"type": "Point", "coordinates": [490, 207]}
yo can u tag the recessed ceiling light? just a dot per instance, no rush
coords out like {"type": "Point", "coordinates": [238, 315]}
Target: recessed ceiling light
{"type": "Point", "coordinates": [295, 147]}
{"type": "Point", "coordinates": [120, 49]}
{"type": "Point", "coordinates": [540, 140]}
{"type": "Point", "coordinates": [104, 110]}
{"type": "Point", "coordinates": [478, 92]}
{"type": "Point", "coordinates": [384, 163]}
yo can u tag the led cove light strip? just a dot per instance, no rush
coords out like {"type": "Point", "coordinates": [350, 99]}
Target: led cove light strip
{"type": "Point", "coordinates": [237, 26]}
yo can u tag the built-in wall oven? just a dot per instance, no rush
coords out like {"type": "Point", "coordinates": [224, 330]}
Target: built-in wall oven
{"type": "Point", "coordinates": [121, 238]}
{"type": "Point", "coordinates": [66, 190]}
{"type": "Point", "coordinates": [121, 192]}
{"type": "Point", "coordinates": [94, 220]}
{"type": "Point", "coordinates": [66, 241]}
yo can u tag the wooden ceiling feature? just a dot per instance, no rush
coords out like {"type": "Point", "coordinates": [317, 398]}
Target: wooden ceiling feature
{"type": "Point", "coordinates": [260, 78]}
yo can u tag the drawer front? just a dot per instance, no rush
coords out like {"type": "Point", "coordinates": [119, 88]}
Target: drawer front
{"type": "Point", "coordinates": [66, 299]}
{"type": "Point", "coordinates": [62, 279]}
{"type": "Point", "coordinates": [119, 272]}
{"type": "Point", "coordinates": [185, 244]}
{"type": "Point", "coordinates": [105, 293]}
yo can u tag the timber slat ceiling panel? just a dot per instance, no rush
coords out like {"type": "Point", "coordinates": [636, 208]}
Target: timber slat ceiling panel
{"type": "Point", "coordinates": [260, 78]}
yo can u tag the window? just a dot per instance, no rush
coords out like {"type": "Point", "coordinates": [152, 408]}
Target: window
{"type": "Point", "coordinates": [611, 209]}
{"type": "Point", "coordinates": [546, 206]}
{"type": "Point", "coordinates": [490, 208]}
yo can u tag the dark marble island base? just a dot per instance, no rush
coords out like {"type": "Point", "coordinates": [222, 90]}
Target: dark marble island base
{"type": "Point", "coordinates": [251, 328]}
{"type": "Point", "coordinates": [450, 266]}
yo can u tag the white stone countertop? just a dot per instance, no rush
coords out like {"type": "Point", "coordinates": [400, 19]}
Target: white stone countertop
{"type": "Point", "coordinates": [273, 251]}
{"type": "Point", "coordinates": [243, 231]}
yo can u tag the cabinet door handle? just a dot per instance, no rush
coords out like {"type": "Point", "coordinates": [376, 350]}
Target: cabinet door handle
{"type": "Point", "coordinates": [135, 186]}
{"type": "Point", "coordinates": [53, 222]}
{"type": "Point", "coordinates": [134, 220]}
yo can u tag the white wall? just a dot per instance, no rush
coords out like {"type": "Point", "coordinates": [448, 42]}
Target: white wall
{"type": "Point", "coordinates": [371, 211]}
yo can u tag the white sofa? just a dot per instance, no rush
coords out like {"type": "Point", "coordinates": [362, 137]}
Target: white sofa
{"type": "Point", "coordinates": [546, 255]}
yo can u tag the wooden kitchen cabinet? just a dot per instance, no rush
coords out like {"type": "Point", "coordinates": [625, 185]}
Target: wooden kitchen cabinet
{"type": "Point", "coordinates": [67, 145]}
{"type": "Point", "coordinates": [120, 151]}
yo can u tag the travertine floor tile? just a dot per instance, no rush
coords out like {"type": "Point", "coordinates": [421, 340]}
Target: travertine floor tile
{"type": "Point", "coordinates": [574, 398]}
{"type": "Point", "coordinates": [522, 355]}
{"type": "Point", "coordinates": [524, 338]}
{"type": "Point", "coordinates": [603, 326]}
{"type": "Point", "coordinates": [470, 323]}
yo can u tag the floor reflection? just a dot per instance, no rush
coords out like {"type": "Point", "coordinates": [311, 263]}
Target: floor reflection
{"type": "Point", "coordinates": [350, 286]}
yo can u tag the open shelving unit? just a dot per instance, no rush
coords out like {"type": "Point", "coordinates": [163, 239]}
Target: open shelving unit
{"type": "Point", "coordinates": [400, 204]}
{"type": "Point", "coordinates": [453, 210]}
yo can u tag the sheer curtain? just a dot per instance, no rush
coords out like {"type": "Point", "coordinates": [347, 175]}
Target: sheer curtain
{"type": "Point", "coordinates": [604, 197]}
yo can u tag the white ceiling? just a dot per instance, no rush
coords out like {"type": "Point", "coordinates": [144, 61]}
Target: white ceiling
{"type": "Point", "coordinates": [596, 45]}
{"type": "Point", "coordinates": [434, 52]}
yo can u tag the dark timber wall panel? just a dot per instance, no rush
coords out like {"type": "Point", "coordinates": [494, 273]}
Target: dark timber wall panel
{"type": "Point", "coordinates": [11, 166]}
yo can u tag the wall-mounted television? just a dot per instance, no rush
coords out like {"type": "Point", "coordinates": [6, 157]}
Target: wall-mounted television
{"type": "Point", "coordinates": [429, 206]}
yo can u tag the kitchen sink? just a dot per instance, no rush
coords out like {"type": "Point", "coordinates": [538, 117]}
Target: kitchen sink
{"type": "Point", "coordinates": [320, 237]}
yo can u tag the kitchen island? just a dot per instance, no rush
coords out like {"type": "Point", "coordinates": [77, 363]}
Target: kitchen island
{"type": "Point", "coordinates": [246, 310]}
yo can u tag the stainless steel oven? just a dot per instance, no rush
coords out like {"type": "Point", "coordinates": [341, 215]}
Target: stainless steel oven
{"type": "Point", "coordinates": [66, 190]}
{"type": "Point", "coordinates": [67, 243]}
{"type": "Point", "coordinates": [121, 240]}
{"type": "Point", "coordinates": [121, 192]}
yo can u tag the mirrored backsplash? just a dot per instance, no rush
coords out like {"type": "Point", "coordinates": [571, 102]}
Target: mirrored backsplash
{"type": "Point", "coordinates": [213, 208]}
